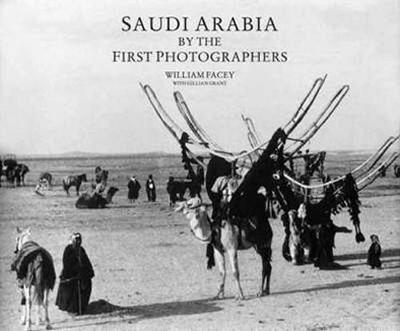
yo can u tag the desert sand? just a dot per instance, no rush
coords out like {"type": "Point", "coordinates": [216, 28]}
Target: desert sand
{"type": "Point", "coordinates": [150, 272]}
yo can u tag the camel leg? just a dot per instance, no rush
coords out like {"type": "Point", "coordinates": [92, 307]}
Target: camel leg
{"type": "Point", "coordinates": [292, 249]}
{"type": "Point", "coordinates": [359, 235]}
{"type": "Point", "coordinates": [28, 305]}
{"type": "Point", "coordinates": [77, 190]}
{"type": "Point", "coordinates": [23, 317]}
{"type": "Point", "coordinates": [46, 309]}
{"type": "Point", "coordinates": [23, 300]}
{"type": "Point", "coordinates": [307, 256]}
{"type": "Point", "coordinates": [233, 258]}
{"type": "Point", "coordinates": [220, 261]}
{"type": "Point", "coordinates": [266, 274]}
{"type": "Point", "coordinates": [39, 319]}
{"type": "Point", "coordinates": [66, 188]}
{"type": "Point", "coordinates": [268, 270]}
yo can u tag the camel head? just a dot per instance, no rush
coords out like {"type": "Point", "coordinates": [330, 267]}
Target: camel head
{"type": "Point", "coordinates": [23, 235]}
{"type": "Point", "coordinates": [197, 215]}
{"type": "Point", "coordinates": [110, 193]}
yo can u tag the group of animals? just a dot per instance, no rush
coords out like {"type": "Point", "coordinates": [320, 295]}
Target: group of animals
{"type": "Point", "coordinates": [242, 203]}
{"type": "Point", "coordinates": [13, 171]}
{"type": "Point", "coordinates": [239, 222]}
{"type": "Point", "coordinates": [93, 199]}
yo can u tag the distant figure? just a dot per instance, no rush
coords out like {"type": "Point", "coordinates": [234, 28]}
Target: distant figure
{"type": "Point", "coordinates": [1, 170]}
{"type": "Point", "coordinates": [46, 178]}
{"type": "Point", "coordinates": [396, 169]}
{"type": "Point", "coordinates": [172, 191]}
{"type": "Point", "coordinates": [101, 177]}
{"type": "Point", "coordinates": [151, 189]}
{"type": "Point", "coordinates": [44, 183]}
{"type": "Point", "coordinates": [374, 253]}
{"type": "Point", "coordinates": [325, 235]}
{"type": "Point", "coordinates": [133, 189]}
{"type": "Point", "coordinates": [76, 278]}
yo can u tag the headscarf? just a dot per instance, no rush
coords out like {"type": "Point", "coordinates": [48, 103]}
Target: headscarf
{"type": "Point", "coordinates": [76, 236]}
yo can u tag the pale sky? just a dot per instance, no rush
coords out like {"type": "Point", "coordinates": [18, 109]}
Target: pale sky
{"type": "Point", "coordinates": [60, 91]}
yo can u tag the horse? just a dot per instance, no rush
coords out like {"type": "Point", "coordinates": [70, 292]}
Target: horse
{"type": "Point", "coordinates": [95, 200]}
{"type": "Point", "coordinates": [76, 181]}
{"type": "Point", "coordinates": [36, 273]}
{"type": "Point", "coordinates": [10, 164]}
{"type": "Point", "coordinates": [177, 188]}
{"type": "Point", "coordinates": [23, 170]}
{"type": "Point", "coordinates": [16, 175]}
{"type": "Point", "coordinates": [11, 171]}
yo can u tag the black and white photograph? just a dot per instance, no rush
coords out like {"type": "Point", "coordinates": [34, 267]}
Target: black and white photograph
{"type": "Point", "coordinates": [199, 165]}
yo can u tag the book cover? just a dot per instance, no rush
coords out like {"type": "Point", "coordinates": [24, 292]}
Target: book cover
{"type": "Point", "coordinates": [98, 94]}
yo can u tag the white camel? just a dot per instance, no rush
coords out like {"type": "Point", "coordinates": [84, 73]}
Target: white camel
{"type": "Point", "coordinates": [227, 237]}
{"type": "Point", "coordinates": [35, 272]}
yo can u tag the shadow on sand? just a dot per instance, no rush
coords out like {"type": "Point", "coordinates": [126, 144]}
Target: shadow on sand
{"type": "Point", "coordinates": [345, 284]}
{"type": "Point", "coordinates": [333, 266]}
{"type": "Point", "coordinates": [392, 252]}
{"type": "Point", "coordinates": [384, 263]}
{"type": "Point", "coordinates": [111, 206]}
{"type": "Point", "coordinates": [101, 312]}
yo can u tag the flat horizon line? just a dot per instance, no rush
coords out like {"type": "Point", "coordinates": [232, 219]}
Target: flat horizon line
{"type": "Point", "coordinates": [81, 154]}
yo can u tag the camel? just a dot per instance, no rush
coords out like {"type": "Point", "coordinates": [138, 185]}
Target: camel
{"type": "Point", "coordinates": [36, 275]}
{"type": "Point", "coordinates": [311, 242]}
{"type": "Point", "coordinates": [270, 168]}
{"type": "Point", "coordinates": [240, 219]}
{"type": "Point", "coordinates": [229, 237]}
{"type": "Point", "coordinates": [95, 200]}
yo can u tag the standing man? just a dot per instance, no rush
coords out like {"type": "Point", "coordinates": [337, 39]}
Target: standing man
{"type": "Point", "coordinates": [151, 189]}
{"type": "Point", "coordinates": [76, 278]}
{"type": "Point", "coordinates": [133, 189]}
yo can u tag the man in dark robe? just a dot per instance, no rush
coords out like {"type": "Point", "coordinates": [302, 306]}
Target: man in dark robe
{"type": "Point", "coordinates": [151, 189]}
{"type": "Point", "coordinates": [133, 189]}
{"type": "Point", "coordinates": [76, 278]}
{"type": "Point", "coordinates": [374, 253]}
